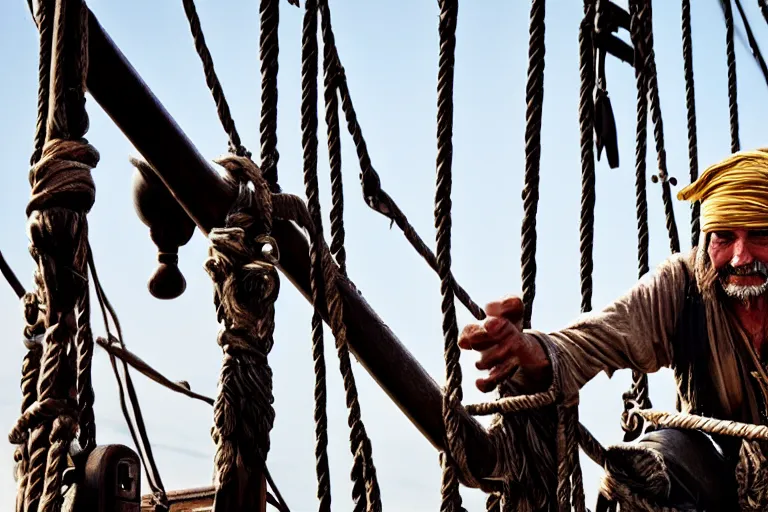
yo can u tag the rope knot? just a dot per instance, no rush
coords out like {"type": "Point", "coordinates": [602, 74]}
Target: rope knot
{"type": "Point", "coordinates": [252, 207]}
{"type": "Point", "coordinates": [36, 414]}
{"type": "Point", "coordinates": [62, 177]}
{"type": "Point", "coordinates": [235, 343]}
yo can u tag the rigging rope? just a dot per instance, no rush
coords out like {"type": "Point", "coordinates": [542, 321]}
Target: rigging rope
{"type": "Point", "coordinates": [241, 263]}
{"type": "Point", "coordinates": [377, 199]}
{"type": "Point", "coordinates": [763, 8]}
{"type": "Point", "coordinates": [365, 491]}
{"type": "Point", "coordinates": [452, 397]}
{"type": "Point", "coordinates": [330, 94]}
{"type": "Point", "coordinates": [534, 98]}
{"type": "Point", "coordinates": [586, 125]}
{"type": "Point", "coordinates": [690, 104]}
{"type": "Point", "coordinates": [30, 368]}
{"type": "Point", "coordinates": [62, 194]}
{"type": "Point", "coordinates": [212, 80]}
{"type": "Point", "coordinates": [269, 49]}
{"type": "Point", "coordinates": [309, 143]}
{"type": "Point", "coordinates": [646, 14]}
{"type": "Point", "coordinates": [733, 105]}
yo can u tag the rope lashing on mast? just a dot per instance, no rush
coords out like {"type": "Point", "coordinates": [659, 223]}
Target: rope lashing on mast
{"type": "Point", "coordinates": [365, 488]}
{"type": "Point", "coordinates": [62, 194]}
{"type": "Point", "coordinates": [241, 263]}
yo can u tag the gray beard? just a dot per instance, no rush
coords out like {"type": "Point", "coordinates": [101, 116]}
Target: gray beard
{"type": "Point", "coordinates": [746, 292]}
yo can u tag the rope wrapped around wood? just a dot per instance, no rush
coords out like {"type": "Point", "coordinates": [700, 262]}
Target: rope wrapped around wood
{"type": "Point", "coordinates": [241, 264]}
{"type": "Point", "coordinates": [63, 193]}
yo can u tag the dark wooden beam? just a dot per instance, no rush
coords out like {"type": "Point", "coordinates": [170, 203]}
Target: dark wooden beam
{"type": "Point", "coordinates": [123, 95]}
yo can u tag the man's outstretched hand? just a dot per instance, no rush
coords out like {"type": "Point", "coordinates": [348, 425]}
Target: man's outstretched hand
{"type": "Point", "coordinates": [502, 344]}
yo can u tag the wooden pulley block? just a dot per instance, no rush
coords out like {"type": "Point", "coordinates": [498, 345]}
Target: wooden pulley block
{"type": "Point", "coordinates": [169, 227]}
{"type": "Point", "coordinates": [110, 481]}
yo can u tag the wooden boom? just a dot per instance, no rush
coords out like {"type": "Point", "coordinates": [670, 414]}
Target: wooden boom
{"type": "Point", "coordinates": [206, 198]}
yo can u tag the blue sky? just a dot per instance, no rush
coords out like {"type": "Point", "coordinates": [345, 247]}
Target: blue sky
{"type": "Point", "coordinates": [389, 50]}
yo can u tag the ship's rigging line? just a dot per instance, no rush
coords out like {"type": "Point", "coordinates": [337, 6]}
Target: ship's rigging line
{"type": "Point", "coordinates": [116, 349]}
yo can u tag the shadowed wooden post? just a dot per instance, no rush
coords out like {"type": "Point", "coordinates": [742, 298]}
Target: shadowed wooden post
{"type": "Point", "coordinates": [206, 198]}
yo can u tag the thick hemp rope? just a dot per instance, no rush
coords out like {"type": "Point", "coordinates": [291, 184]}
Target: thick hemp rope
{"type": "Point", "coordinates": [322, 468]}
{"type": "Point", "coordinates": [241, 263]}
{"type": "Point", "coordinates": [454, 455]}
{"type": "Point", "coordinates": [212, 80]}
{"type": "Point", "coordinates": [331, 97]}
{"type": "Point", "coordinates": [534, 99]}
{"type": "Point", "coordinates": [365, 488]}
{"type": "Point", "coordinates": [638, 392]}
{"type": "Point", "coordinates": [646, 17]}
{"type": "Point", "coordinates": [35, 326]}
{"type": "Point", "coordinates": [690, 105]}
{"type": "Point", "coordinates": [62, 194]}
{"type": "Point", "coordinates": [730, 51]}
{"type": "Point", "coordinates": [375, 197]}
{"type": "Point", "coordinates": [586, 126]}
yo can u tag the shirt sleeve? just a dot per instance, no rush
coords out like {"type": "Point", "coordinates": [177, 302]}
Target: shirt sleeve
{"type": "Point", "coordinates": [634, 332]}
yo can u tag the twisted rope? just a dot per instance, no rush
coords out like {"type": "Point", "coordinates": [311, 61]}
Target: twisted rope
{"type": "Point", "coordinates": [690, 104]}
{"type": "Point", "coordinates": [85, 395]}
{"type": "Point", "coordinates": [62, 194]}
{"type": "Point", "coordinates": [534, 101]}
{"type": "Point", "coordinates": [30, 373]}
{"type": "Point", "coordinates": [708, 425]}
{"type": "Point", "coordinates": [379, 200]}
{"type": "Point", "coordinates": [269, 50]}
{"type": "Point", "coordinates": [330, 93]}
{"type": "Point", "coordinates": [241, 264]}
{"type": "Point", "coordinates": [452, 397]}
{"type": "Point", "coordinates": [730, 51]}
{"type": "Point", "coordinates": [212, 80]}
{"type": "Point", "coordinates": [365, 489]}
{"type": "Point", "coordinates": [586, 125]}
{"type": "Point", "coordinates": [646, 15]}
{"type": "Point", "coordinates": [45, 27]}
{"type": "Point", "coordinates": [309, 143]}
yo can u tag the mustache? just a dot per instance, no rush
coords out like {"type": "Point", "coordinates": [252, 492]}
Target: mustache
{"type": "Point", "coordinates": [756, 268]}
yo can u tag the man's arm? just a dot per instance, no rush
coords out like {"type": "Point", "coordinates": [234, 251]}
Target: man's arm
{"type": "Point", "coordinates": [634, 332]}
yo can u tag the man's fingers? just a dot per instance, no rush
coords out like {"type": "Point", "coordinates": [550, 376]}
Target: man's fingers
{"type": "Point", "coordinates": [494, 356]}
{"type": "Point", "coordinates": [484, 336]}
{"type": "Point", "coordinates": [496, 375]}
{"type": "Point", "coordinates": [511, 308]}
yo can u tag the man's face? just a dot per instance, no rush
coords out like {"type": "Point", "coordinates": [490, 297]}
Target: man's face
{"type": "Point", "coordinates": [740, 258]}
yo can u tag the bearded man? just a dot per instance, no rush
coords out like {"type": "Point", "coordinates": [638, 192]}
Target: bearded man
{"type": "Point", "coordinates": [704, 315]}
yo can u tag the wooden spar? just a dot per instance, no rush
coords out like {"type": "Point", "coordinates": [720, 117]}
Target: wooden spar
{"type": "Point", "coordinates": [124, 96]}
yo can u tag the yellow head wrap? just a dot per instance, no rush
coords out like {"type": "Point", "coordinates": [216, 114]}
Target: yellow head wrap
{"type": "Point", "coordinates": [733, 193]}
